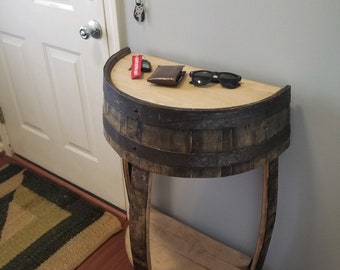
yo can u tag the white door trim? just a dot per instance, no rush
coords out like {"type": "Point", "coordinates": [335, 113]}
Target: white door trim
{"type": "Point", "coordinates": [111, 10]}
{"type": "Point", "coordinates": [112, 17]}
{"type": "Point", "coordinates": [4, 143]}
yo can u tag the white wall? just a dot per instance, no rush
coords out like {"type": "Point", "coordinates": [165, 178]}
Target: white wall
{"type": "Point", "coordinates": [277, 42]}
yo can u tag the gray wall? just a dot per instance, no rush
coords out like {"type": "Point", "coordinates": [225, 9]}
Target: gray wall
{"type": "Point", "coordinates": [277, 42]}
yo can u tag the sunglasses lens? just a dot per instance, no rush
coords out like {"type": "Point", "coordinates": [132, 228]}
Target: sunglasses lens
{"type": "Point", "coordinates": [229, 80]}
{"type": "Point", "coordinates": [201, 78]}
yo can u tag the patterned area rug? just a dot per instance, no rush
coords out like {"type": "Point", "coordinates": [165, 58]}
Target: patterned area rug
{"type": "Point", "coordinates": [44, 226]}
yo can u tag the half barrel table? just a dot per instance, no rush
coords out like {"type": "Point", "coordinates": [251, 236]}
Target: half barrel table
{"type": "Point", "coordinates": [192, 132]}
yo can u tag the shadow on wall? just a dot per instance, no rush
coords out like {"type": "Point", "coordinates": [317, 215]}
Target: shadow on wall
{"type": "Point", "coordinates": [227, 209]}
{"type": "Point", "coordinates": [307, 195]}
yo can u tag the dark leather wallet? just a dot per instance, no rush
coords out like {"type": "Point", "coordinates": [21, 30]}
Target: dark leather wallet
{"type": "Point", "coordinates": [167, 75]}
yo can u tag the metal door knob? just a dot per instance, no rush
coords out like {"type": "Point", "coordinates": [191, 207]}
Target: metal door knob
{"type": "Point", "coordinates": [92, 29]}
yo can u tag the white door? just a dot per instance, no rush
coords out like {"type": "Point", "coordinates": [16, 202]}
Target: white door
{"type": "Point", "coordinates": [51, 91]}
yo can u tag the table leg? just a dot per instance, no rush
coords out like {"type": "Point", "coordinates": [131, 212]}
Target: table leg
{"type": "Point", "coordinates": [138, 185]}
{"type": "Point", "coordinates": [269, 202]}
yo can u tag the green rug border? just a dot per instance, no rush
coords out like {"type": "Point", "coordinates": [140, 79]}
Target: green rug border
{"type": "Point", "coordinates": [82, 215]}
{"type": "Point", "coordinates": [5, 174]}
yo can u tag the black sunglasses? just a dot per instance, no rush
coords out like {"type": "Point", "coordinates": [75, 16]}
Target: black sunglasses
{"type": "Point", "coordinates": [226, 79]}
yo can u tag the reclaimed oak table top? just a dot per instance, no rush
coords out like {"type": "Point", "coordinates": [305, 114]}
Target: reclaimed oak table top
{"type": "Point", "coordinates": [196, 132]}
{"type": "Point", "coordinates": [186, 95]}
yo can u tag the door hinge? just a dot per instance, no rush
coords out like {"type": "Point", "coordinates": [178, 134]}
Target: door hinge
{"type": "Point", "coordinates": [2, 118]}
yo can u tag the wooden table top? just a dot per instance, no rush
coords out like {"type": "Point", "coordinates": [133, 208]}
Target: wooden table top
{"type": "Point", "coordinates": [186, 95]}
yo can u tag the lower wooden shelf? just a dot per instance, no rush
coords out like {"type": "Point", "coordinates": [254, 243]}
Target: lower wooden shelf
{"type": "Point", "coordinates": [176, 246]}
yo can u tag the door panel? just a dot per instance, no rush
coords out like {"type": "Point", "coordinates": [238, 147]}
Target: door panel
{"type": "Point", "coordinates": [67, 77]}
{"type": "Point", "coordinates": [51, 92]}
{"type": "Point", "coordinates": [27, 106]}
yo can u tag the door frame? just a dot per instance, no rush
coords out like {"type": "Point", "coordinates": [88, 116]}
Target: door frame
{"type": "Point", "coordinates": [111, 8]}
{"type": "Point", "coordinates": [4, 142]}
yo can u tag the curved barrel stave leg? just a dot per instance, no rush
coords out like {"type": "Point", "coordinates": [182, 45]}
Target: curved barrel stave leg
{"type": "Point", "coordinates": [138, 186]}
{"type": "Point", "coordinates": [269, 202]}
